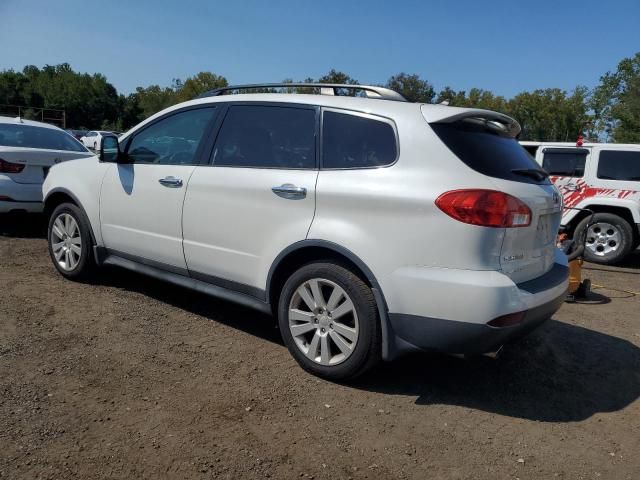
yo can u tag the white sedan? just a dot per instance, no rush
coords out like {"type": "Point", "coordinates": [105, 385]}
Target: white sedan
{"type": "Point", "coordinates": [93, 139]}
{"type": "Point", "coordinates": [27, 150]}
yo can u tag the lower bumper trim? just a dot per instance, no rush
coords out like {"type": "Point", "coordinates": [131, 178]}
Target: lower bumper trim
{"type": "Point", "coordinates": [417, 333]}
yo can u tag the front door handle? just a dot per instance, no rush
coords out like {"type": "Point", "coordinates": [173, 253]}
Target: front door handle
{"type": "Point", "coordinates": [171, 182]}
{"type": "Point", "coordinates": [290, 191]}
{"type": "Point", "coordinates": [572, 187]}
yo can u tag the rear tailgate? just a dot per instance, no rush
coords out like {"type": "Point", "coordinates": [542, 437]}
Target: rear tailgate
{"type": "Point", "coordinates": [529, 252]}
{"type": "Point", "coordinates": [37, 162]}
{"type": "Point", "coordinates": [485, 142]}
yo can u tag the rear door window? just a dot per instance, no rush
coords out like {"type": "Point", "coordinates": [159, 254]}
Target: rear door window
{"type": "Point", "coordinates": [355, 141]}
{"type": "Point", "coordinates": [565, 162]}
{"type": "Point", "coordinates": [28, 136]}
{"type": "Point", "coordinates": [619, 165]}
{"type": "Point", "coordinates": [259, 136]}
{"type": "Point", "coordinates": [487, 149]}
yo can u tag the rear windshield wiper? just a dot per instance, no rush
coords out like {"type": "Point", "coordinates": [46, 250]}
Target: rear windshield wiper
{"type": "Point", "coordinates": [534, 173]}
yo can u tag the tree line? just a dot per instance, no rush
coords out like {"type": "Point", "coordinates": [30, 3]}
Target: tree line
{"type": "Point", "coordinates": [609, 112]}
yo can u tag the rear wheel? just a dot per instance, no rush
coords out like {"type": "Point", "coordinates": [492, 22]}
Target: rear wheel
{"type": "Point", "coordinates": [329, 321]}
{"type": "Point", "coordinates": [609, 238]}
{"type": "Point", "coordinates": [70, 242]}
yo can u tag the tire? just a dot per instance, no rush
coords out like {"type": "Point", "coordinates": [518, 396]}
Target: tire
{"type": "Point", "coordinates": [344, 346]}
{"type": "Point", "coordinates": [609, 238]}
{"type": "Point", "coordinates": [94, 146]}
{"type": "Point", "coordinates": [70, 243]}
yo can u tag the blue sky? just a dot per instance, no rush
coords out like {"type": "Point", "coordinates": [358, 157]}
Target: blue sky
{"type": "Point", "coordinates": [503, 46]}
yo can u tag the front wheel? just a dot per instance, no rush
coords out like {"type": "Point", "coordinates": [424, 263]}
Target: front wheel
{"type": "Point", "coordinates": [329, 321]}
{"type": "Point", "coordinates": [608, 238]}
{"type": "Point", "coordinates": [70, 242]}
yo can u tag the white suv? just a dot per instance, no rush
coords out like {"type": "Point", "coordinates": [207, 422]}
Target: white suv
{"type": "Point", "coordinates": [603, 178]}
{"type": "Point", "coordinates": [370, 226]}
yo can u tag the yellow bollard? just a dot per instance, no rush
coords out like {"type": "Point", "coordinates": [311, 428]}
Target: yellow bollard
{"type": "Point", "coordinates": [575, 275]}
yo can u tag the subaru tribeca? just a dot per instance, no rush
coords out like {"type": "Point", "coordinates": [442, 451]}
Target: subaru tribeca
{"type": "Point", "coordinates": [368, 225]}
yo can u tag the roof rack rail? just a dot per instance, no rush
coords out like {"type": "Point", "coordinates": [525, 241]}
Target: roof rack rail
{"type": "Point", "coordinates": [324, 88]}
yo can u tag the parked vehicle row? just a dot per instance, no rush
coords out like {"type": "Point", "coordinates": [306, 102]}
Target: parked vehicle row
{"type": "Point", "coordinates": [28, 150]}
{"type": "Point", "coordinates": [369, 227]}
{"type": "Point", "coordinates": [602, 178]}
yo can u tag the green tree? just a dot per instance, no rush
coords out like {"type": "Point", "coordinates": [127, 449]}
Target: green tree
{"type": "Point", "coordinates": [451, 97]}
{"type": "Point", "coordinates": [335, 76]}
{"type": "Point", "coordinates": [616, 102]}
{"type": "Point", "coordinates": [198, 84]}
{"type": "Point", "coordinates": [412, 87]}
{"type": "Point", "coordinates": [551, 114]}
{"type": "Point", "coordinates": [154, 98]}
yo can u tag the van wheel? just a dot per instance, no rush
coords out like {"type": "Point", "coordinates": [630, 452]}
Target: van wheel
{"type": "Point", "coordinates": [70, 243]}
{"type": "Point", "coordinates": [329, 321]}
{"type": "Point", "coordinates": [609, 238]}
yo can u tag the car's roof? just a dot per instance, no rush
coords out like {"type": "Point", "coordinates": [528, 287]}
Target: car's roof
{"type": "Point", "coordinates": [22, 121]}
{"type": "Point", "coordinates": [386, 108]}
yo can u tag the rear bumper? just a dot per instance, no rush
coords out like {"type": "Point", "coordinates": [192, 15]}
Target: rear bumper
{"type": "Point", "coordinates": [466, 330]}
{"type": "Point", "coordinates": [414, 333]}
{"type": "Point", "coordinates": [29, 207]}
{"type": "Point", "coordinates": [25, 197]}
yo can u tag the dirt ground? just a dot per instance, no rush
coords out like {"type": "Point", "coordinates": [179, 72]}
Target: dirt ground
{"type": "Point", "coordinates": [132, 378]}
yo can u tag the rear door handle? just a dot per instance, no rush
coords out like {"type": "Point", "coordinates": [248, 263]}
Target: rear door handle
{"type": "Point", "coordinates": [572, 187]}
{"type": "Point", "coordinates": [290, 191]}
{"type": "Point", "coordinates": [171, 182]}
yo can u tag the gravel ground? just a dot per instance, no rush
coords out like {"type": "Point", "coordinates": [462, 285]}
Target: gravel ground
{"type": "Point", "coordinates": [128, 377]}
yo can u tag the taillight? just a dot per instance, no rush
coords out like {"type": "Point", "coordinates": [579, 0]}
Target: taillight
{"type": "Point", "coordinates": [486, 208]}
{"type": "Point", "coordinates": [8, 167]}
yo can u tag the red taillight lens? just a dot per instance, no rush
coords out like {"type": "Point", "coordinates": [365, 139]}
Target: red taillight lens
{"type": "Point", "coordinates": [486, 208]}
{"type": "Point", "coordinates": [8, 167]}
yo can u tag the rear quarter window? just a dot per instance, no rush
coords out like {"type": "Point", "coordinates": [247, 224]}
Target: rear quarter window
{"type": "Point", "coordinates": [619, 165]}
{"type": "Point", "coordinates": [354, 141]}
{"type": "Point", "coordinates": [488, 150]}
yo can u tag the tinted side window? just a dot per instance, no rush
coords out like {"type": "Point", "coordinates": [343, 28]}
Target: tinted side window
{"type": "Point", "coordinates": [564, 162]}
{"type": "Point", "coordinates": [28, 136]}
{"type": "Point", "coordinates": [619, 165]}
{"type": "Point", "coordinates": [351, 141]}
{"type": "Point", "coordinates": [174, 140]}
{"type": "Point", "coordinates": [267, 137]}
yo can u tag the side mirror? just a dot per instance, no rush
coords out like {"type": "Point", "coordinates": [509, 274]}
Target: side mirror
{"type": "Point", "coordinates": [110, 149]}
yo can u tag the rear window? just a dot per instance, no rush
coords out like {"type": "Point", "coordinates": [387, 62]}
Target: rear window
{"type": "Point", "coordinates": [565, 162]}
{"type": "Point", "coordinates": [28, 136]}
{"type": "Point", "coordinates": [619, 165]}
{"type": "Point", "coordinates": [488, 150]}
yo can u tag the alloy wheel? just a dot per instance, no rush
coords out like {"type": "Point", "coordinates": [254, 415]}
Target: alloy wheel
{"type": "Point", "coordinates": [66, 242]}
{"type": "Point", "coordinates": [323, 321]}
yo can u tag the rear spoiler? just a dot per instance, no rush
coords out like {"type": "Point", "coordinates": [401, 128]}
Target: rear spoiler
{"type": "Point", "coordinates": [445, 114]}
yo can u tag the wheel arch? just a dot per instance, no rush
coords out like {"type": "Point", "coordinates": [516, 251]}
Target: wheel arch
{"type": "Point", "coordinates": [621, 211]}
{"type": "Point", "coordinates": [306, 251]}
{"type": "Point", "coordinates": [58, 196]}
